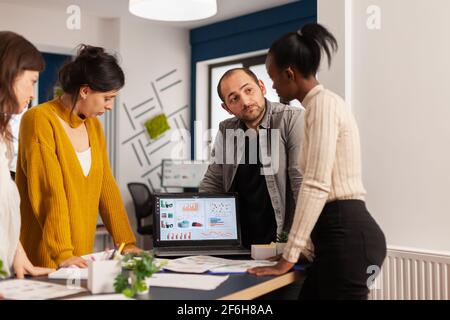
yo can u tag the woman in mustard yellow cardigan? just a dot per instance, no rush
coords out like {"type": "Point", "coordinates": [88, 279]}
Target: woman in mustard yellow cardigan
{"type": "Point", "coordinates": [63, 173]}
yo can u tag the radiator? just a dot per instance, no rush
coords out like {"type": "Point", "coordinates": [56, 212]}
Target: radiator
{"type": "Point", "coordinates": [412, 275]}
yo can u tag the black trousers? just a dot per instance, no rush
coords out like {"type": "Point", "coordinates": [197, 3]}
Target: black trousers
{"type": "Point", "coordinates": [347, 242]}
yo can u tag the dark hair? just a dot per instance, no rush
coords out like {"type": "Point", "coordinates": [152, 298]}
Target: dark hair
{"type": "Point", "coordinates": [229, 73]}
{"type": "Point", "coordinates": [17, 54]}
{"type": "Point", "coordinates": [303, 49]}
{"type": "Point", "coordinates": [92, 67]}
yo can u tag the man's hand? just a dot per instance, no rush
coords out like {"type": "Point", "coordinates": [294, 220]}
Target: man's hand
{"type": "Point", "coordinates": [280, 268]}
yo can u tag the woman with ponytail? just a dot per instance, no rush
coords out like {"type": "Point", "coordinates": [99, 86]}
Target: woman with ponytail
{"type": "Point", "coordinates": [20, 64]}
{"type": "Point", "coordinates": [331, 212]}
{"type": "Point", "coordinates": [63, 173]}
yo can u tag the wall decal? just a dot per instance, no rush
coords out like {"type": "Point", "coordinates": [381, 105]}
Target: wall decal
{"type": "Point", "coordinates": [152, 121]}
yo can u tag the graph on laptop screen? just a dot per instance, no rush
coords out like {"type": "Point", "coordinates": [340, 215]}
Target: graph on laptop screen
{"type": "Point", "coordinates": [187, 219]}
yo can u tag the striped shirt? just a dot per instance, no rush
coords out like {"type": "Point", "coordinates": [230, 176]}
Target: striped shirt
{"type": "Point", "coordinates": [330, 161]}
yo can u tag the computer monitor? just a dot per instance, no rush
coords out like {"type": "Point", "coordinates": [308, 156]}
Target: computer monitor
{"type": "Point", "coordinates": [182, 173]}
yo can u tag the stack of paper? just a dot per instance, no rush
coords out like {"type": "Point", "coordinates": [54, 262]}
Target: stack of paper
{"type": "Point", "coordinates": [22, 289]}
{"type": "Point", "coordinates": [78, 273]}
{"type": "Point", "coordinates": [202, 264]}
{"type": "Point", "coordinates": [69, 273]}
{"type": "Point", "coordinates": [241, 266]}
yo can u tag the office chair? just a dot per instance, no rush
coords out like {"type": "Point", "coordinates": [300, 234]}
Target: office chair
{"type": "Point", "coordinates": [143, 205]}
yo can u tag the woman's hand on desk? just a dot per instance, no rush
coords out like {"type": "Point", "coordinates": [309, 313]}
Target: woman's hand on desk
{"type": "Point", "coordinates": [280, 268]}
{"type": "Point", "coordinates": [302, 260]}
{"type": "Point", "coordinates": [74, 261]}
{"type": "Point", "coordinates": [132, 249]}
{"type": "Point", "coordinates": [22, 265]}
{"type": "Point", "coordinates": [275, 258]}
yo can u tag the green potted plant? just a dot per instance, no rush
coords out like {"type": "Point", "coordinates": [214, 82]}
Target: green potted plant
{"type": "Point", "coordinates": [2, 273]}
{"type": "Point", "coordinates": [135, 269]}
{"type": "Point", "coordinates": [282, 239]}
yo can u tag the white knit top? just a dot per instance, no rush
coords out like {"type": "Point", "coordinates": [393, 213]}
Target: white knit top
{"type": "Point", "coordinates": [9, 212]}
{"type": "Point", "coordinates": [85, 159]}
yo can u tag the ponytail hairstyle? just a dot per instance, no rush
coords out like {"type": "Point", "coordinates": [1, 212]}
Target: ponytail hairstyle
{"type": "Point", "coordinates": [17, 55]}
{"type": "Point", "coordinates": [92, 67]}
{"type": "Point", "coordinates": [303, 49]}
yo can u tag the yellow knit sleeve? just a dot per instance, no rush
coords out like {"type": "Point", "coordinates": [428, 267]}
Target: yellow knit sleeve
{"type": "Point", "coordinates": [48, 198]}
{"type": "Point", "coordinates": [112, 209]}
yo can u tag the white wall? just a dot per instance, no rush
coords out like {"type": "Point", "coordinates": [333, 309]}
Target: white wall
{"type": "Point", "coordinates": [149, 52]}
{"type": "Point", "coordinates": [47, 29]}
{"type": "Point", "coordinates": [331, 13]}
{"type": "Point", "coordinates": [399, 94]}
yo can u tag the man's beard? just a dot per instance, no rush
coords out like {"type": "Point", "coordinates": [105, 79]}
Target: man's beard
{"type": "Point", "coordinates": [253, 116]}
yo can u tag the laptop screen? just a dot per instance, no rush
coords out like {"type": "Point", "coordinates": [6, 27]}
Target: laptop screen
{"type": "Point", "coordinates": [187, 218]}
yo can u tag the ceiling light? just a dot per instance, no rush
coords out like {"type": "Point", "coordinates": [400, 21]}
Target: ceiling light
{"type": "Point", "coordinates": [173, 10]}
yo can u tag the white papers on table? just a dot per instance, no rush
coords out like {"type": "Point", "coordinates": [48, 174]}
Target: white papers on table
{"type": "Point", "coordinates": [76, 273]}
{"type": "Point", "coordinates": [22, 289]}
{"type": "Point", "coordinates": [242, 266]}
{"type": "Point", "coordinates": [202, 264]}
{"type": "Point", "coordinates": [194, 264]}
{"type": "Point", "coordinates": [69, 273]}
{"type": "Point", "coordinates": [185, 281]}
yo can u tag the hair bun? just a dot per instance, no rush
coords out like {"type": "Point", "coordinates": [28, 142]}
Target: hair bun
{"type": "Point", "coordinates": [93, 67]}
{"type": "Point", "coordinates": [90, 52]}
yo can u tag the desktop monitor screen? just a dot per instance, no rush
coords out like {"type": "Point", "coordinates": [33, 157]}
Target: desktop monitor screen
{"type": "Point", "coordinates": [197, 218]}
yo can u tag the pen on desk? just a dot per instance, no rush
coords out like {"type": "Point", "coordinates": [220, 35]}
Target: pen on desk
{"type": "Point", "coordinates": [113, 253]}
{"type": "Point", "coordinates": [121, 248]}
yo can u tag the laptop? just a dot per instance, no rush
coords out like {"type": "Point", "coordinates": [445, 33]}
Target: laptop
{"type": "Point", "coordinates": [187, 224]}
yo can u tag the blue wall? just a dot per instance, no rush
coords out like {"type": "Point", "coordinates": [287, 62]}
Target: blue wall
{"type": "Point", "coordinates": [247, 33]}
{"type": "Point", "coordinates": [49, 77]}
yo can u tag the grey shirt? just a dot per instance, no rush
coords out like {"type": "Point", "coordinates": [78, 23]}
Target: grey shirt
{"type": "Point", "coordinates": [281, 133]}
